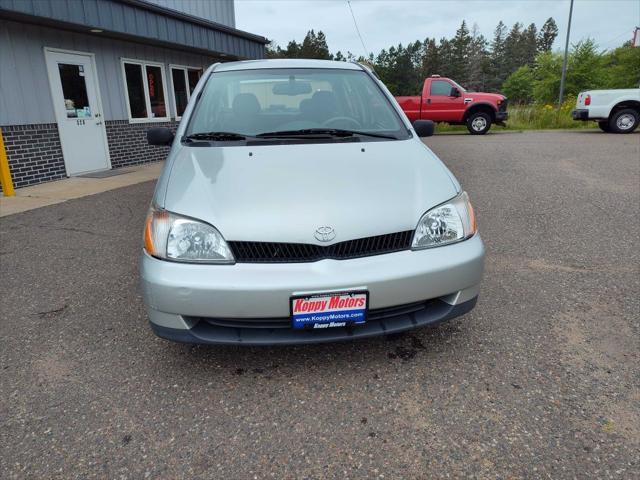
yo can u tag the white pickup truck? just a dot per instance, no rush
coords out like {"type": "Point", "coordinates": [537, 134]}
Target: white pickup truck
{"type": "Point", "coordinates": [616, 111]}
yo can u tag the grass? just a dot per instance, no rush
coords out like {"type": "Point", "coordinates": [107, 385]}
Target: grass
{"type": "Point", "coordinates": [533, 117]}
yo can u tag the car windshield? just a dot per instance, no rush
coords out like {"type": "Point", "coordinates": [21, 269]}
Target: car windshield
{"type": "Point", "coordinates": [294, 102]}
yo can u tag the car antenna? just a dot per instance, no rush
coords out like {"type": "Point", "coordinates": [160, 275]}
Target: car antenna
{"type": "Point", "coordinates": [366, 52]}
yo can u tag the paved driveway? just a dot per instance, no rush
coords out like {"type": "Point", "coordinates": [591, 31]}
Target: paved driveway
{"type": "Point", "coordinates": [540, 380]}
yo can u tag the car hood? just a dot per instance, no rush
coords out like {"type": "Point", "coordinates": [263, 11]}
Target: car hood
{"type": "Point", "coordinates": [492, 98]}
{"type": "Point", "coordinates": [284, 193]}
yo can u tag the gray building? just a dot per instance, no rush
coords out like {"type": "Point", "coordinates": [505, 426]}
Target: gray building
{"type": "Point", "coordinates": [82, 80]}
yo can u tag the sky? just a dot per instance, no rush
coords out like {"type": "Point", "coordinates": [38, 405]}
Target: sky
{"type": "Point", "coordinates": [384, 23]}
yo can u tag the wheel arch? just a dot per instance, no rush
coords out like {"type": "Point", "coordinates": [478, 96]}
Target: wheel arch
{"type": "Point", "coordinates": [634, 104]}
{"type": "Point", "coordinates": [480, 107]}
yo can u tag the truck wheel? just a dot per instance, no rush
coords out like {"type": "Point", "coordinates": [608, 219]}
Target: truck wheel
{"type": "Point", "coordinates": [604, 126]}
{"type": "Point", "coordinates": [479, 123]}
{"type": "Point", "coordinates": [623, 121]}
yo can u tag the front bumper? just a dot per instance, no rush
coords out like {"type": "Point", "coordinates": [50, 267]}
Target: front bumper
{"type": "Point", "coordinates": [501, 117]}
{"type": "Point", "coordinates": [580, 114]}
{"type": "Point", "coordinates": [184, 300]}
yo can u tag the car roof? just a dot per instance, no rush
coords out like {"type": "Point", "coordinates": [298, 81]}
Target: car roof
{"type": "Point", "coordinates": [286, 63]}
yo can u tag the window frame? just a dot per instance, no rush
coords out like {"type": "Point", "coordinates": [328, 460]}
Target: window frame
{"type": "Point", "coordinates": [433, 81]}
{"type": "Point", "coordinates": [185, 70]}
{"type": "Point", "coordinates": [145, 83]}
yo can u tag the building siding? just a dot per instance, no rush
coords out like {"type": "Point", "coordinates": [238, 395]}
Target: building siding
{"type": "Point", "coordinates": [220, 11]}
{"type": "Point", "coordinates": [133, 20]}
{"type": "Point", "coordinates": [25, 96]}
{"type": "Point", "coordinates": [135, 31]}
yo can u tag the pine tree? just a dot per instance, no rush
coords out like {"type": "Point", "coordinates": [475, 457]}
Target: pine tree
{"type": "Point", "coordinates": [547, 35]}
{"type": "Point", "coordinates": [446, 58]}
{"type": "Point", "coordinates": [497, 57]}
{"type": "Point", "coordinates": [460, 50]}
{"type": "Point", "coordinates": [529, 45]}
{"type": "Point", "coordinates": [430, 58]}
{"type": "Point", "coordinates": [513, 49]}
{"type": "Point", "coordinates": [478, 61]}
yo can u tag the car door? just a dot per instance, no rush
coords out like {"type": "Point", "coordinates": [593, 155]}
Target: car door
{"type": "Point", "coordinates": [441, 105]}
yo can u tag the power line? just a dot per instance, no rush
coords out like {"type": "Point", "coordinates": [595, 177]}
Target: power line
{"type": "Point", "coordinates": [615, 38]}
{"type": "Point", "coordinates": [357, 29]}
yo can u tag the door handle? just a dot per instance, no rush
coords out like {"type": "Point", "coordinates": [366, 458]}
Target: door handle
{"type": "Point", "coordinates": [428, 100]}
{"type": "Point", "coordinates": [98, 123]}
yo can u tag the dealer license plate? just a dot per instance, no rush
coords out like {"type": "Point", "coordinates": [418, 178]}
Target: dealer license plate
{"type": "Point", "coordinates": [329, 310]}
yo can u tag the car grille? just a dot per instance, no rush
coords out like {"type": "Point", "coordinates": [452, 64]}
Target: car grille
{"type": "Point", "coordinates": [503, 106]}
{"type": "Point", "coordinates": [274, 252]}
{"type": "Point", "coordinates": [375, 315]}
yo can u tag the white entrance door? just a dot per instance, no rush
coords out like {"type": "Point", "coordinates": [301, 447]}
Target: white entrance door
{"type": "Point", "coordinates": [74, 88]}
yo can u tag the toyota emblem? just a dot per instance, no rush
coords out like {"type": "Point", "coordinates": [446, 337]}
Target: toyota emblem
{"type": "Point", "coordinates": [325, 234]}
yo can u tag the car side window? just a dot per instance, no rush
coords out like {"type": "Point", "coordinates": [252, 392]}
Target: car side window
{"type": "Point", "coordinates": [440, 87]}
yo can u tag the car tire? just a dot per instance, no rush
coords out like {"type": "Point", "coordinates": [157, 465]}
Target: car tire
{"type": "Point", "coordinates": [624, 121]}
{"type": "Point", "coordinates": [479, 123]}
{"type": "Point", "coordinates": [604, 126]}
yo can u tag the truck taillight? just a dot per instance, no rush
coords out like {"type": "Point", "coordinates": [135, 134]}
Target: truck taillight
{"type": "Point", "coordinates": [587, 100]}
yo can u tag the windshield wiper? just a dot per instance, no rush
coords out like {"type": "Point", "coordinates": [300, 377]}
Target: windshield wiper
{"type": "Point", "coordinates": [314, 132]}
{"type": "Point", "coordinates": [216, 136]}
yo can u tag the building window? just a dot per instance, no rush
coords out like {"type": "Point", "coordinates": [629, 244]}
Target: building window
{"type": "Point", "coordinates": [184, 81]}
{"type": "Point", "coordinates": [74, 90]}
{"type": "Point", "coordinates": [145, 91]}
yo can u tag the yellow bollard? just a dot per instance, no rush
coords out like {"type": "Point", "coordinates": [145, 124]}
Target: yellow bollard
{"type": "Point", "coordinates": [5, 173]}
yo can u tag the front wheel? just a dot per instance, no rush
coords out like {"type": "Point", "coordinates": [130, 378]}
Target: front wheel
{"type": "Point", "coordinates": [604, 126]}
{"type": "Point", "coordinates": [479, 123]}
{"type": "Point", "coordinates": [624, 121]}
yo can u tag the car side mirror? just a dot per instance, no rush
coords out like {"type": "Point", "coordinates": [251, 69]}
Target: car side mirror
{"type": "Point", "coordinates": [424, 128]}
{"type": "Point", "coordinates": [454, 92]}
{"type": "Point", "coordinates": [160, 136]}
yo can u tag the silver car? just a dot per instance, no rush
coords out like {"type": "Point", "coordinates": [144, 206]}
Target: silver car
{"type": "Point", "coordinates": [299, 205]}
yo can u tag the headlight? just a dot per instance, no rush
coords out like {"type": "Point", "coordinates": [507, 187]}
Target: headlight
{"type": "Point", "coordinates": [181, 239]}
{"type": "Point", "coordinates": [450, 222]}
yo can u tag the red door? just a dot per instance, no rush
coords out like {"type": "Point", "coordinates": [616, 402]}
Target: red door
{"type": "Point", "coordinates": [441, 105]}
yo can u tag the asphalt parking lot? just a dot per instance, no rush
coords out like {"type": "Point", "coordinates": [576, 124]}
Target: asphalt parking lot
{"type": "Point", "coordinates": [541, 380]}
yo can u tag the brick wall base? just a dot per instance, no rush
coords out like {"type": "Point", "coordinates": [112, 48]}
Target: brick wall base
{"type": "Point", "coordinates": [128, 143]}
{"type": "Point", "coordinates": [35, 153]}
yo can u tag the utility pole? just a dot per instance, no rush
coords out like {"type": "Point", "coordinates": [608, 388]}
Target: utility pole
{"type": "Point", "coordinates": [564, 63]}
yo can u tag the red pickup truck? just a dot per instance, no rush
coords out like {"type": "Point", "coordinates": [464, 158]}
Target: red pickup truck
{"type": "Point", "coordinates": [443, 100]}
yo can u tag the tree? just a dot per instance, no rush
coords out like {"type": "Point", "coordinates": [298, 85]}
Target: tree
{"type": "Point", "coordinates": [519, 86]}
{"type": "Point", "coordinates": [460, 46]}
{"type": "Point", "coordinates": [529, 45]}
{"type": "Point", "coordinates": [586, 68]}
{"type": "Point", "coordinates": [513, 51]}
{"type": "Point", "coordinates": [547, 35]}
{"type": "Point", "coordinates": [430, 58]}
{"type": "Point", "coordinates": [315, 46]}
{"type": "Point", "coordinates": [396, 69]}
{"type": "Point", "coordinates": [497, 57]}
{"type": "Point", "coordinates": [622, 67]}
{"type": "Point", "coordinates": [586, 71]}
{"type": "Point", "coordinates": [446, 58]}
{"type": "Point", "coordinates": [473, 61]}
{"type": "Point", "coordinates": [547, 71]}
{"type": "Point", "coordinates": [478, 63]}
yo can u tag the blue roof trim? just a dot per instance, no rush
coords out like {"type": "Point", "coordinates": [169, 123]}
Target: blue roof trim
{"type": "Point", "coordinates": [139, 20]}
